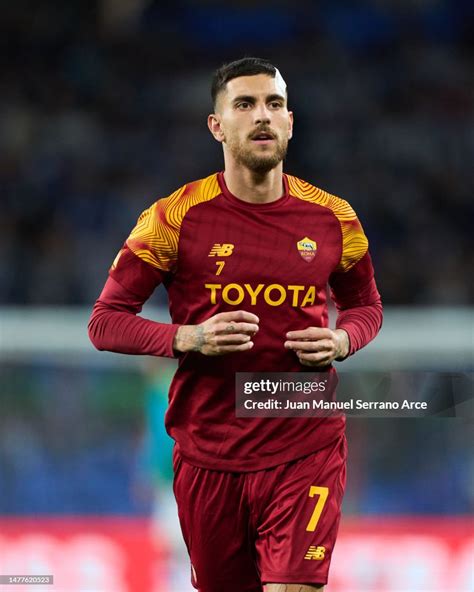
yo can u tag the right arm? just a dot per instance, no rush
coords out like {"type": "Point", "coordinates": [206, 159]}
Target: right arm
{"type": "Point", "coordinates": [115, 326]}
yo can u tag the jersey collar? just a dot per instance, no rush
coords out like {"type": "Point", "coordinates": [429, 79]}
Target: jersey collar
{"type": "Point", "coordinates": [254, 206]}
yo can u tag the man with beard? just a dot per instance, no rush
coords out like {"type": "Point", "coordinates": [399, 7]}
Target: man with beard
{"type": "Point", "coordinates": [246, 256]}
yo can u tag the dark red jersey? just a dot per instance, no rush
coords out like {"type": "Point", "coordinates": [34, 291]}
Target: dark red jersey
{"type": "Point", "coordinates": [216, 253]}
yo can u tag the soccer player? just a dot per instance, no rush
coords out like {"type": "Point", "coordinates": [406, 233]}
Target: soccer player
{"type": "Point", "coordinates": [246, 256]}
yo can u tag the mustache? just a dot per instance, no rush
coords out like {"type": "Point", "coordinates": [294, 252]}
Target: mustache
{"type": "Point", "coordinates": [262, 130]}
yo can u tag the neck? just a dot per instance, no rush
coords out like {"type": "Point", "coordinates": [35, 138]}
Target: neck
{"type": "Point", "coordinates": [254, 187]}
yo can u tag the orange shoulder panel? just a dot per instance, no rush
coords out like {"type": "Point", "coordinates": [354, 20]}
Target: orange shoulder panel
{"type": "Point", "coordinates": [155, 236]}
{"type": "Point", "coordinates": [354, 241]}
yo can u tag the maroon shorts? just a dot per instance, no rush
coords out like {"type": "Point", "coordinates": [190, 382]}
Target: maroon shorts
{"type": "Point", "coordinates": [279, 525]}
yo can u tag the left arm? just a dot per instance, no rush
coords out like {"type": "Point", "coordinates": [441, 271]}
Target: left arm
{"type": "Point", "coordinates": [358, 303]}
{"type": "Point", "coordinates": [359, 318]}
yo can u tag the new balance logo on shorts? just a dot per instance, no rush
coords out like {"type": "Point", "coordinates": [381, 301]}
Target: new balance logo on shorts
{"type": "Point", "coordinates": [223, 250]}
{"type": "Point", "coordinates": [316, 553]}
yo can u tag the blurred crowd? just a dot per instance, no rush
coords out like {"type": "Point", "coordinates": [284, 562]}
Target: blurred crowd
{"type": "Point", "coordinates": [104, 106]}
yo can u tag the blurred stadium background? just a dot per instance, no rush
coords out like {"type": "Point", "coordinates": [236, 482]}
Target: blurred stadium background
{"type": "Point", "coordinates": [103, 109]}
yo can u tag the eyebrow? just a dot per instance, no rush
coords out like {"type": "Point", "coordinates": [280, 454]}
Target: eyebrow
{"type": "Point", "coordinates": [251, 99]}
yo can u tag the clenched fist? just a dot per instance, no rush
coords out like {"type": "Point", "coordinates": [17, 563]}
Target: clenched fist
{"type": "Point", "coordinates": [317, 346]}
{"type": "Point", "coordinates": [224, 333]}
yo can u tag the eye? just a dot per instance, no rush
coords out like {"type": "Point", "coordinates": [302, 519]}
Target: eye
{"type": "Point", "coordinates": [244, 105]}
{"type": "Point", "coordinates": [276, 105]}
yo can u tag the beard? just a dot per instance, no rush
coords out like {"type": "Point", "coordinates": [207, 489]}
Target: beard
{"type": "Point", "coordinates": [262, 163]}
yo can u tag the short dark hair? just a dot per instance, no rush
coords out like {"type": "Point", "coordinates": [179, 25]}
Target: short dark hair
{"type": "Point", "coordinates": [242, 67]}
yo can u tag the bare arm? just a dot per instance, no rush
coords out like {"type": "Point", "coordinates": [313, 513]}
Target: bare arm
{"type": "Point", "coordinates": [223, 333]}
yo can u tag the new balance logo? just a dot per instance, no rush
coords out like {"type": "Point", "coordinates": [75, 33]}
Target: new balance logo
{"type": "Point", "coordinates": [223, 250]}
{"type": "Point", "coordinates": [316, 553]}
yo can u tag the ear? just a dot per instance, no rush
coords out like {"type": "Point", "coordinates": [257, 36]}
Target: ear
{"type": "Point", "coordinates": [290, 125]}
{"type": "Point", "coordinates": [214, 125]}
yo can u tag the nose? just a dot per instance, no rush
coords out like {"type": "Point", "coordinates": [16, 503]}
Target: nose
{"type": "Point", "coordinates": [262, 114]}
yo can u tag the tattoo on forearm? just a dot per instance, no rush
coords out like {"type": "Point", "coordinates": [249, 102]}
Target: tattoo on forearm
{"type": "Point", "coordinates": [199, 338]}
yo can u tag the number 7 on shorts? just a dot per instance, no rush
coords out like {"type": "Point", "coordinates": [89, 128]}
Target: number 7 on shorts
{"type": "Point", "coordinates": [323, 493]}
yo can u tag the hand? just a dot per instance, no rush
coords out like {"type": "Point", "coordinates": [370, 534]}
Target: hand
{"type": "Point", "coordinates": [318, 347]}
{"type": "Point", "coordinates": [224, 333]}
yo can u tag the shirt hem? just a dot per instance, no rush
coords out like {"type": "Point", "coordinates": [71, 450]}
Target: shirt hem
{"type": "Point", "coordinates": [274, 578]}
{"type": "Point", "coordinates": [213, 464]}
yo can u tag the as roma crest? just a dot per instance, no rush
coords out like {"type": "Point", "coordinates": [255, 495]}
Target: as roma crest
{"type": "Point", "coordinates": [307, 249]}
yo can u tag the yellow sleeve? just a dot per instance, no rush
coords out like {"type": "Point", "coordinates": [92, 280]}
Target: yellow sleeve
{"type": "Point", "coordinates": [156, 234]}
